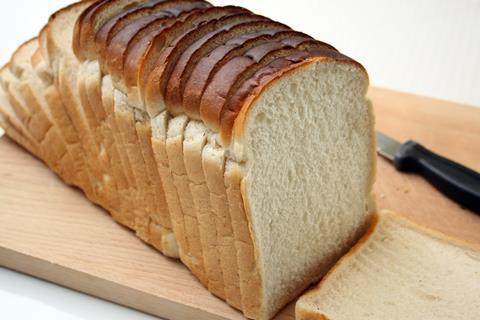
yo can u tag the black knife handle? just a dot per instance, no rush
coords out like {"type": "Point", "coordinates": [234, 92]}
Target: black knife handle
{"type": "Point", "coordinates": [457, 182]}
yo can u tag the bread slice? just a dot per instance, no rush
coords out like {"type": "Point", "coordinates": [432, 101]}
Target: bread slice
{"type": "Point", "coordinates": [193, 145]}
{"type": "Point", "coordinates": [126, 217]}
{"type": "Point", "coordinates": [174, 148]}
{"type": "Point", "coordinates": [403, 271]}
{"type": "Point", "coordinates": [213, 162]}
{"type": "Point", "coordinates": [329, 222]}
{"type": "Point", "coordinates": [159, 145]}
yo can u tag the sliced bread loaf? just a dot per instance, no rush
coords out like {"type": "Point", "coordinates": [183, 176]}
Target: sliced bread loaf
{"type": "Point", "coordinates": [262, 137]}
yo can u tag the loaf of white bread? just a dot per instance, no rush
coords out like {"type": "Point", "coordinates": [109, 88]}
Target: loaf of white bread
{"type": "Point", "coordinates": [221, 137]}
{"type": "Point", "coordinates": [399, 270]}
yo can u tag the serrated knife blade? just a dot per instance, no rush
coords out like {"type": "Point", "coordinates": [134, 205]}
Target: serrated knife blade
{"type": "Point", "coordinates": [387, 146]}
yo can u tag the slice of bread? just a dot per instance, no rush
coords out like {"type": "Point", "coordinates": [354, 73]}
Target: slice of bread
{"type": "Point", "coordinates": [399, 270]}
{"type": "Point", "coordinates": [194, 142]}
{"type": "Point", "coordinates": [159, 145]}
{"type": "Point", "coordinates": [174, 147]}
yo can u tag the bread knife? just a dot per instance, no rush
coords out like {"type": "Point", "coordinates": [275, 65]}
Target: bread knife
{"type": "Point", "coordinates": [457, 182]}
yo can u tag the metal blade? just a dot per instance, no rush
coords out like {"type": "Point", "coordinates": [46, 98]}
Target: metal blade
{"type": "Point", "coordinates": [386, 146]}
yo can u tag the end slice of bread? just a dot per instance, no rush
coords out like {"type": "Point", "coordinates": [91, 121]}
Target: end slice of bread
{"type": "Point", "coordinates": [399, 270]}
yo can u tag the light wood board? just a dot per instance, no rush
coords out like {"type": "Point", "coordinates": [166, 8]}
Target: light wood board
{"type": "Point", "coordinates": [52, 232]}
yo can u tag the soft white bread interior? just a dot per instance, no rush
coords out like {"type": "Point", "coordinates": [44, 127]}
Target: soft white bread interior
{"type": "Point", "coordinates": [399, 270]}
{"type": "Point", "coordinates": [309, 167]}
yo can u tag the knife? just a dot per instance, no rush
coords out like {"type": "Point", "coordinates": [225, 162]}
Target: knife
{"type": "Point", "coordinates": [457, 182]}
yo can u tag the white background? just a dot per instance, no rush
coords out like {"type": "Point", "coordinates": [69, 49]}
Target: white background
{"type": "Point", "coordinates": [427, 47]}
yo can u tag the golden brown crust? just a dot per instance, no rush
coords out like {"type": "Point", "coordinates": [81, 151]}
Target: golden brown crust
{"type": "Point", "coordinates": [159, 64]}
{"type": "Point", "coordinates": [202, 48]}
{"type": "Point", "coordinates": [139, 46]}
{"type": "Point", "coordinates": [120, 30]}
{"type": "Point", "coordinates": [208, 66]}
{"type": "Point", "coordinates": [119, 58]}
{"type": "Point", "coordinates": [90, 21]}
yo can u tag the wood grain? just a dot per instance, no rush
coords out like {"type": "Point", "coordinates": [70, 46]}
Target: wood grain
{"type": "Point", "coordinates": [52, 232]}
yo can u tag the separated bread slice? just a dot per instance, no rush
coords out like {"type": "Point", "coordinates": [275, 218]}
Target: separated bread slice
{"type": "Point", "coordinates": [194, 142]}
{"type": "Point", "coordinates": [161, 234]}
{"type": "Point", "coordinates": [159, 146]}
{"type": "Point", "coordinates": [208, 65]}
{"type": "Point", "coordinates": [126, 217]}
{"type": "Point", "coordinates": [174, 147]}
{"type": "Point", "coordinates": [248, 269]}
{"type": "Point", "coordinates": [126, 120]}
{"type": "Point", "coordinates": [203, 47]}
{"type": "Point", "coordinates": [399, 270]}
{"type": "Point", "coordinates": [213, 163]}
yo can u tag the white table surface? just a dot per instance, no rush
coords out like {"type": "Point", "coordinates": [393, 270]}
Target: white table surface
{"type": "Point", "coordinates": [427, 47]}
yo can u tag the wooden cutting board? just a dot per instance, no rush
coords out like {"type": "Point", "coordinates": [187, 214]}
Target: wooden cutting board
{"type": "Point", "coordinates": [52, 232]}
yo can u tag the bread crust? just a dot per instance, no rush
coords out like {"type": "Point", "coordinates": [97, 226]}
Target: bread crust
{"type": "Point", "coordinates": [208, 66]}
{"type": "Point", "coordinates": [153, 65]}
{"type": "Point", "coordinates": [184, 66]}
{"type": "Point", "coordinates": [120, 46]}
